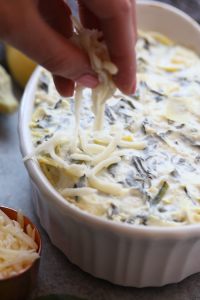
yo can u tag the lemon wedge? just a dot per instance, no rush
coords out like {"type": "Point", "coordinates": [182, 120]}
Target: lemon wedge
{"type": "Point", "coordinates": [20, 66]}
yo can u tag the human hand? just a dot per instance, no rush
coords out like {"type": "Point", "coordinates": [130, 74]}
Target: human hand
{"type": "Point", "coordinates": [118, 21]}
{"type": "Point", "coordinates": [41, 28]}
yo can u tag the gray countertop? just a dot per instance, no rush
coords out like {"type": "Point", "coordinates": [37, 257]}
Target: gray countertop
{"type": "Point", "coordinates": [57, 274]}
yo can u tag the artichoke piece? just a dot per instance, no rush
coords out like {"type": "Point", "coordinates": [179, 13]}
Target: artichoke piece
{"type": "Point", "coordinates": [177, 110]}
{"type": "Point", "coordinates": [57, 176]}
{"type": "Point", "coordinates": [66, 105]}
{"type": "Point", "coordinates": [51, 173]}
{"type": "Point", "coordinates": [169, 67]}
{"type": "Point", "coordinates": [62, 103]}
{"type": "Point", "coordinates": [161, 38]}
{"type": "Point", "coordinates": [102, 143]}
{"type": "Point", "coordinates": [49, 161]}
{"type": "Point", "coordinates": [127, 138]}
{"type": "Point", "coordinates": [39, 114]}
{"type": "Point", "coordinates": [8, 102]}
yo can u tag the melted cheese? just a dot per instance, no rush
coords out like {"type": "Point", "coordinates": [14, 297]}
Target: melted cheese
{"type": "Point", "coordinates": [108, 150]}
{"type": "Point", "coordinates": [106, 187]}
{"type": "Point", "coordinates": [99, 57]}
{"type": "Point", "coordinates": [70, 192]}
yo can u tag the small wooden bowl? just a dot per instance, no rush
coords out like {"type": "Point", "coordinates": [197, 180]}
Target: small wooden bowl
{"type": "Point", "coordinates": [19, 286]}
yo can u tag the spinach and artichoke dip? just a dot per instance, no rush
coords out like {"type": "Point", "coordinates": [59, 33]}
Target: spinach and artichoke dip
{"type": "Point", "coordinates": [143, 167]}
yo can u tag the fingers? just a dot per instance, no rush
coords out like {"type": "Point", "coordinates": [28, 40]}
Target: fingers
{"type": "Point", "coordinates": [22, 26]}
{"type": "Point", "coordinates": [120, 39]}
{"type": "Point", "coordinates": [118, 23]}
{"type": "Point", "coordinates": [26, 31]}
{"type": "Point", "coordinates": [87, 18]}
{"type": "Point", "coordinates": [56, 13]}
{"type": "Point", "coordinates": [64, 86]}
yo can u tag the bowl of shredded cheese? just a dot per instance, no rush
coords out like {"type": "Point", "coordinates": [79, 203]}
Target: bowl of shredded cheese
{"type": "Point", "coordinates": [20, 250]}
{"type": "Point", "coordinates": [115, 177]}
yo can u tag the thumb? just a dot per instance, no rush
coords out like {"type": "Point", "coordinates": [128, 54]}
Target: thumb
{"type": "Point", "coordinates": [25, 30]}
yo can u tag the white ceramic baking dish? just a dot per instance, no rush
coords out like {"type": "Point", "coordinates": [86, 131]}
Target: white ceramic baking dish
{"type": "Point", "coordinates": [123, 254]}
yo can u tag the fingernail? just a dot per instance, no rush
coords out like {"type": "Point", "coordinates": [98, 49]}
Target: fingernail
{"type": "Point", "coordinates": [135, 86]}
{"type": "Point", "coordinates": [88, 81]}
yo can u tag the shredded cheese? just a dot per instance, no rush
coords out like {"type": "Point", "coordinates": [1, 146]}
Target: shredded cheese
{"type": "Point", "coordinates": [77, 170]}
{"type": "Point", "coordinates": [29, 230]}
{"type": "Point", "coordinates": [77, 108]}
{"type": "Point", "coordinates": [20, 234]}
{"type": "Point", "coordinates": [106, 187]}
{"type": "Point", "coordinates": [71, 192]}
{"type": "Point", "coordinates": [118, 153]}
{"type": "Point", "coordinates": [77, 156]}
{"type": "Point", "coordinates": [107, 139]}
{"type": "Point", "coordinates": [58, 138]}
{"type": "Point", "coordinates": [100, 61]}
{"type": "Point", "coordinates": [22, 258]}
{"type": "Point", "coordinates": [20, 218]}
{"type": "Point", "coordinates": [89, 148]}
{"type": "Point", "coordinates": [17, 249]}
{"type": "Point", "coordinates": [114, 142]}
{"type": "Point", "coordinates": [5, 218]}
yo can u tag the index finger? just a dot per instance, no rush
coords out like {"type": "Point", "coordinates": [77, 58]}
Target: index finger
{"type": "Point", "coordinates": [56, 13]}
{"type": "Point", "coordinates": [118, 23]}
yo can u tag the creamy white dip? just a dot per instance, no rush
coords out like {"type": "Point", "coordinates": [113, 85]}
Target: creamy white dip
{"type": "Point", "coordinates": [143, 168]}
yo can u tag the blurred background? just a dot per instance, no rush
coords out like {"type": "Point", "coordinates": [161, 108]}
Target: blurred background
{"type": "Point", "coordinates": [191, 7]}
